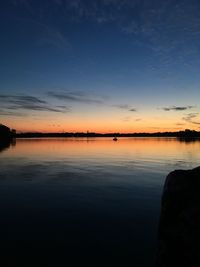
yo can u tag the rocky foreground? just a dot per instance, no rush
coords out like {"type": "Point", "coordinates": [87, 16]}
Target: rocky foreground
{"type": "Point", "coordinates": [179, 229]}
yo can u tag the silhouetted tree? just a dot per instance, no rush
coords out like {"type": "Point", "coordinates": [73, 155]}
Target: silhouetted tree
{"type": "Point", "coordinates": [6, 133]}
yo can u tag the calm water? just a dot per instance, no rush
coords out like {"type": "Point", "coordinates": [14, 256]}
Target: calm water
{"type": "Point", "coordinates": [85, 202]}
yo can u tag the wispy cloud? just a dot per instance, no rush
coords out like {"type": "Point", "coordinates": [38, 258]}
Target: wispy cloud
{"type": "Point", "coordinates": [53, 37]}
{"type": "Point", "coordinates": [122, 106]}
{"type": "Point", "coordinates": [190, 118]}
{"type": "Point", "coordinates": [126, 119]}
{"type": "Point", "coordinates": [168, 27]}
{"type": "Point", "coordinates": [80, 97]}
{"type": "Point", "coordinates": [173, 37]}
{"type": "Point", "coordinates": [180, 124]}
{"type": "Point", "coordinates": [125, 107]}
{"type": "Point", "coordinates": [177, 108]}
{"type": "Point", "coordinates": [13, 103]}
{"type": "Point", "coordinates": [45, 34]}
{"type": "Point", "coordinates": [21, 99]}
{"type": "Point", "coordinates": [11, 113]}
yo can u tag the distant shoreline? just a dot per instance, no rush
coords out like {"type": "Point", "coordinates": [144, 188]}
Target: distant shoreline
{"type": "Point", "coordinates": [189, 134]}
{"type": "Point", "coordinates": [7, 133]}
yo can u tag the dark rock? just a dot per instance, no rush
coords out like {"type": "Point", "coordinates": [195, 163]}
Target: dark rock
{"type": "Point", "coordinates": [179, 228]}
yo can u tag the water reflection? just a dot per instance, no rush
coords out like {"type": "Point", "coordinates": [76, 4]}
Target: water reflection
{"type": "Point", "coordinates": [104, 150]}
{"type": "Point", "coordinates": [188, 139]}
{"type": "Point", "coordinates": [86, 201]}
{"type": "Point", "coordinates": [6, 143]}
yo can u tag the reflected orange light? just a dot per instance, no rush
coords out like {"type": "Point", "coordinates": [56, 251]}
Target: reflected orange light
{"type": "Point", "coordinates": [66, 148]}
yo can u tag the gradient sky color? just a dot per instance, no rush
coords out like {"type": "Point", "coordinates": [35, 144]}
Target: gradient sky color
{"type": "Point", "coordinates": [103, 66]}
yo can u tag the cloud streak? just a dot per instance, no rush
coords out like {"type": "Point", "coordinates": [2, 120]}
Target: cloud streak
{"type": "Point", "coordinates": [125, 107]}
{"type": "Point", "coordinates": [10, 113]}
{"type": "Point", "coordinates": [190, 118]}
{"type": "Point", "coordinates": [177, 108]}
{"type": "Point", "coordinates": [10, 103]}
{"type": "Point", "coordinates": [180, 124]}
{"type": "Point", "coordinates": [79, 97]}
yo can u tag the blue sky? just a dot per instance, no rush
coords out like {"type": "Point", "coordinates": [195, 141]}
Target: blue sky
{"type": "Point", "coordinates": [77, 62]}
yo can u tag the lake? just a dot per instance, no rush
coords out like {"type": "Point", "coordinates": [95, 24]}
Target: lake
{"type": "Point", "coordinates": [87, 201]}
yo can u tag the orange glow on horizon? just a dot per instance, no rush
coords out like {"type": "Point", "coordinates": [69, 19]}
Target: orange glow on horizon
{"type": "Point", "coordinates": [113, 123]}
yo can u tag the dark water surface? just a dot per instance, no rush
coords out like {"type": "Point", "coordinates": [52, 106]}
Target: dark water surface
{"type": "Point", "coordinates": [85, 202]}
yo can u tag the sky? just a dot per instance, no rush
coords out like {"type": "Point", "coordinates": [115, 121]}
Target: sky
{"type": "Point", "coordinates": [100, 65]}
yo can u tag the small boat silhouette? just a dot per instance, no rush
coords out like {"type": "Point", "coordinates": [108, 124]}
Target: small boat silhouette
{"type": "Point", "coordinates": [115, 139]}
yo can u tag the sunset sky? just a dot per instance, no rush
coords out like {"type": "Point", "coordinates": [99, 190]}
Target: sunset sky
{"type": "Point", "coordinates": [103, 66]}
